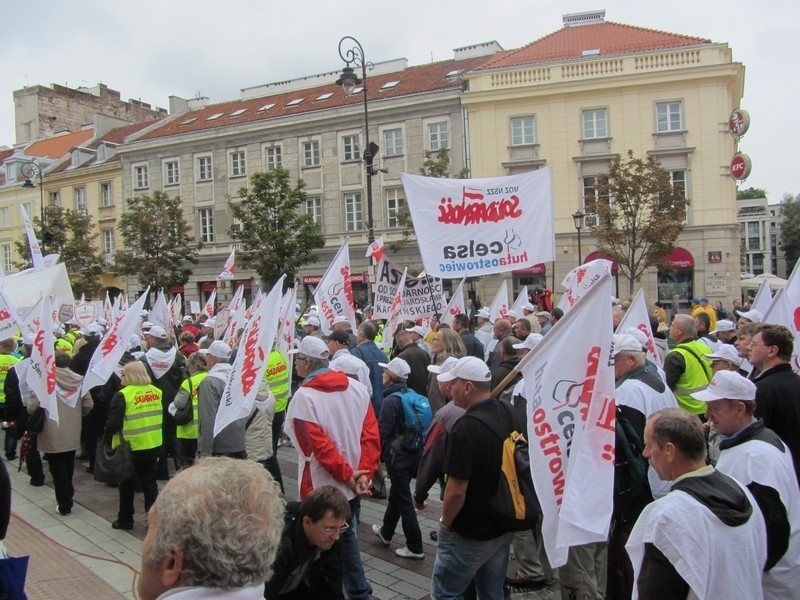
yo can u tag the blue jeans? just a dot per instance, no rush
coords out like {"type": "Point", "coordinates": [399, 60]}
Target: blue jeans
{"type": "Point", "coordinates": [355, 582]}
{"type": "Point", "coordinates": [401, 506]}
{"type": "Point", "coordinates": [460, 560]}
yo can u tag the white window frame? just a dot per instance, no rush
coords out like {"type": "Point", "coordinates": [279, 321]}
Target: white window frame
{"type": "Point", "coordinates": [594, 128]}
{"type": "Point", "coordinates": [393, 142]}
{"type": "Point", "coordinates": [55, 199]}
{"type": "Point", "coordinates": [665, 116]}
{"type": "Point", "coordinates": [205, 217]}
{"type": "Point", "coordinates": [204, 166]}
{"type": "Point", "coordinates": [109, 244]}
{"type": "Point", "coordinates": [310, 153]}
{"type": "Point", "coordinates": [351, 147]}
{"type": "Point", "coordinates": [273, 157]}
{"type": "Point", "coordinates": [106, 194]}
{"type": "Point", "coordinates": [5, 219]}
{"type": "Point", "coordinates": [140, 176]}
{"type": "Point", "coordinates": [314, 208]}
{"type": "Point", "coordinates": [523, 130]}
{"type": "Point", "coordinates": [237, 163]}
{"type": "Point", "coordinates": [79, 196]}
{"type": "Point", "coordinates": [8, 258]}
{"type": "Point", "coordinates": [353, 211]}
{"type": "Point", "coordinates": [172, 172]}
{"type": "Point", "coordinates": [395, 202]}
{"type": "Point", "coordinates": [436, 137]}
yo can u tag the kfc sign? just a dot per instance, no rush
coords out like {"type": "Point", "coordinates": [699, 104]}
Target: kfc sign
{"type": "Point", "coordinates": [740, 166]}
{"type": "Point", "coordinates": [738, 123]}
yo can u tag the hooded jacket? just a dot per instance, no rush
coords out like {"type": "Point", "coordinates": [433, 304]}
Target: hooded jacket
{"type": "Point", "coordinates": [65, 435]}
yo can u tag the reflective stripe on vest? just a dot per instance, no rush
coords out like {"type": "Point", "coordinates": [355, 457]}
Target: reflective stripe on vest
{"type": "Point", "coordinates": [143, 417]}
{"type": "Point", "coordinates": [277, 376]}
{"type": "Point", "coordinates": [6, 362]}
{"type": "Point", "coordinates": [694, 378]}
{"type": "Point", "coordinates": [189, 431]}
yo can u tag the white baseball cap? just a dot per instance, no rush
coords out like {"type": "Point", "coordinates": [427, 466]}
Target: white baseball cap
{"type": "Point", "coordinates": [188, 319]}
{"type": "Point", "coordinates": [530, 342]}
{"type": "Point", "coordinates": [724, 325]}
{"type": "Point", "coordinates": [753, 315]}
{"type": "Point", "coordinates": [727, 385]}
{"type": "Point", "coordinates": [313, 321]}
{"type": "Point", "coordinates": [146, 325]}
{"type": "Point", "coordinates": [529, 307]}
{"type": "Point", "coordinates": [469, 368]}
{"type": "Point", "coordinates": [157, 332]}
{"type": "Point", "coordinates": [210, 323]}
{"type": "Point", "coordinates": [639, 335]}
{"type": "Point", "coordinates": [94, 329]}
{"type": "Point", "coordinates": [726, 352]}
{"type": "Point", "coordinates": [340, 319]}
{"type": "Point", "coordinates": [417, 329]}
{"type": "Point", "coordinates": [398, 366]}
{"type": "Point", "coordinates": [511, 313]}
{"type": "Point", "coordinates": [484, 313]}
{"type": "Point", "coordinates": [626, 343]}
{"type": "Point", "coordinates": [218, 348]}
{"type": "Point", "coordinates": [311, 346]}
{"type": "Point", "coordinates": [446, 365]}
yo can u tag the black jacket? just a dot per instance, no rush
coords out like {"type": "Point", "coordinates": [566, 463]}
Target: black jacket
{"type": "Point", "coordinates": [390, 424]}
{"type": "Point", "coordinates": [778, 405]}
{"type": "Point", "coordinates": [418, 360]}
{"type": "Point", "coordinates": [80, 362]}
{"type": "Point", "coordinates": [472, 344]}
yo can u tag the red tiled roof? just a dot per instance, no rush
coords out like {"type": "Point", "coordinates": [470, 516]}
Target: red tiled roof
{"type": "Point", "coordinates": [413, 80]}
{"type": "Point", "coordinates": [610, 38]}
{"type": "Point", "coordinates": [57, 146]}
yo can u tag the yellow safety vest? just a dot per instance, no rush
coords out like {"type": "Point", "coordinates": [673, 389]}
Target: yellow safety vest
{"type": "Point", "coordinates": [143, 417]}
{"type": "Point", "coordinates": [189, 431]}
{"type": "Point", "coordinates": [277, 376]}
{"type": "Point", "coordinates": [6, 362]}
{"type": "Point", "coordinates": [695, 377]}
{"type": "Point", "coordinates": [63, 345]}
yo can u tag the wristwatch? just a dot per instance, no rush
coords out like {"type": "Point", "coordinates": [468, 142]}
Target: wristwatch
{"type": "Point", "coordinates": [443, 526]}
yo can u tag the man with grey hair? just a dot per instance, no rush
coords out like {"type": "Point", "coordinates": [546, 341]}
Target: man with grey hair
{"type": "Point", "coordinates": [686, 367]}
{"type": "Point", "coordinates": [230, 441]}
{"type": "Point", "coordinates": [213, 532]}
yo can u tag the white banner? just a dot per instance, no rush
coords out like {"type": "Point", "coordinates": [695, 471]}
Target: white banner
{"type": "Point", "coordinates": [41, 374]}
{"type": "Point", "coordinates": [580, 279]}
{"type": "Point", "coordinates": [469, 227]}
{"type": "Point", "coordinates": [455, 306]}
{"type": "Point", "coordinates": [763, 298]}
{"type": "Point", "coordinates": [251, 359]}
{"type": "Point", "coordinates": [228, 270]}
{"type": "Point", "coordinates": [334, 293]}
{"type": "Point", "coordinates": [210, 305]}
{"type": "Point", "coordinates": [637, 317]}
{"type": "Point", "coordinates": [85, 313]}
{"type": "Point", "coordinates": [160, 314]}
{"type": "Point", "coordinates": [395, 314]}
{"type": "Point", "coordinates": [422, 296]}
{"type": "Point", "coordinates": [113, 345]}
{"type": "Point", "coordinates": [520, 302]}
{"type": "Point", "coordinates": [569, 384]}
{"type": "Point", "coordinates": [498, 309]}
{"type": "Point", "coordinates": [10, 322]}
{"type": "Point", "coordinates": [285, 341]}
{"type": "Point", "coordinates": [26, 288]}
{"type": "Point", "coordinates": [36, 251]}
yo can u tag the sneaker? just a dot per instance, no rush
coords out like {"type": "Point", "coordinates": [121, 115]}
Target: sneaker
{"type": "Point", "coordinates": [63, 513]}
{"type": "Point", "coordinates": [406, 553]}
{"type": "Point", "coordinates": [376, 529]}
{"type": "Point", "coordinates": [126, 525]}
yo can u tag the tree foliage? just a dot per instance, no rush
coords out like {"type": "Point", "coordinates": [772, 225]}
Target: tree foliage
{"type": "Point", "coordinates": [640, 215]}
{"type": "Point", "coordinates": [71, 234]}
{"type": "Point", "coordinates": [751, 193]}
{"type": "Point", "coordinates": [275, 237]}
{"type": "Point", "coordinates": [158, 241]}
{"type": "Point", "coordinates": [790, 234]}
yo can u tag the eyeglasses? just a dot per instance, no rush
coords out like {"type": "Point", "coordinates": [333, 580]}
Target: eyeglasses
{"type": "Point", "coordinates": [341, 530]}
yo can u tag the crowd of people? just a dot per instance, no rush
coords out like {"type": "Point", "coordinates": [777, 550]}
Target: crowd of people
{"type": "Point", "coordinates": [715, 512]}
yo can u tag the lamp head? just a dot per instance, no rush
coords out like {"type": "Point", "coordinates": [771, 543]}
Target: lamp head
{"type": "Point", "coordinates": [348, 80]}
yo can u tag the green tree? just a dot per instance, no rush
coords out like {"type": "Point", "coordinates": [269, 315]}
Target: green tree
{"type": "Point", "coordinates": [640, 215]}
{"type": "Point", "coordinates": [275, 237]}
{"type": "Point", "coordinates": [751, 193]}
{"type": "Point", "coordinates": [790, 230]}
{"type": "Point", "coordinates": [158, 241]}
{"type": "Point", "coordinates": [71, 234]}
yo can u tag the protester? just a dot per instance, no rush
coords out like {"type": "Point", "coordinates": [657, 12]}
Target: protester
{"type": "Point", "coordinates": [187, 433]}
{"type": "Point", "coordinates": [483, 331]}
{"type": "Point", "coordinates": [749, 316]}
{"type": "Point", "coordinates": [214, 532]}
{"type": "Point", "coordinates": [7, 362]}
{"type": "Point", "coordinates": [230, 441]}
{"type": "Point", "coordinates": [277, 375]}
{"type": "Point", "coordinates": [544, 321]}
{"type": "Point", "coordinates": [368, 351]}
{"type": "Point", "coordinates": [725, 332]}
{"type": "Point", "coordinates": [508, 361]}
{"type": "Point", "coordinates": [417, 359]}
{"type": "Point", "coordinates": [188, 345]}
{"type": "Point", "coordinates": [419, 337]}
{"type": "Point", "coordinates": [312, 327]}
{"type": "Point", "coordinates": [471, 343]}
{"type": "Point", "coordinates": [343, 360]}
{"type": "Point", "coordinates": [521, 329]}
{"type": "Point", "coordinates": [685, 368]}
{"type": "Point", "coordinates": [447, 343]}
{"type": "Point", "coordinates": [502, 329]}
{"type": "Point", "coordinates": [702, 325]}
{"type": "Point", "coordinates": [342, 323]}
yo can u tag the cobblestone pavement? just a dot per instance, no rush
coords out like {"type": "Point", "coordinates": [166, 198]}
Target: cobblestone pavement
{"type": "Point", "coordinates": [88, 530]}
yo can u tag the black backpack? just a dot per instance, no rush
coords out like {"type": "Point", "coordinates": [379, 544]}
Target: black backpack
{"type": "Point", "coordinates": [631, 488]}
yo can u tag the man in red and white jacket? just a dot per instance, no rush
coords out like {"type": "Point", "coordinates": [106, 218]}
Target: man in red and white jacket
{"type": "Point", "coordinates": [333, 427]}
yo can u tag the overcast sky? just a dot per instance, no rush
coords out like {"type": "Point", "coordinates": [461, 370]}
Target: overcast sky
{"type": "Point", "coordinates": [151, 49]}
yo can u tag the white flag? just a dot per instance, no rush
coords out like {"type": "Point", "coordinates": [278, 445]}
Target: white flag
{"type": "Point", "coordinates": [763, 298]}
{"type": "Point", "coordinates": [569, 384]}
{"type": "Point", "coordinates": [107, 309]}
{"type": "Point", "coordinates": [580, 279]}
{"type": "Point", "coordinates": [113, 345]}
{"type": "Point", "coordinates": [375, 249]}
{"type": "Point", "coordinates": [208, 308]}
{"type": "Point", "coordinates": [160, 314]}
{"type": "Point", "coordinates": [334, 293]}
{"type": "Point", "coordinates": [455, 306]}
{"type": "Point", "coordinates": [498, 309]}
{"type": "Point", "coordinates": [285, 341]}
{"type": "Point", "coordinates": [637, 317]}
{"type": "Point", "coordinates": [175, 308]}
{"type": "Point", "coordinates": [10, 322]}
{"type": "Point", "coordinates": [521, 301]}
{"type": "Point", "coordinates": [395, 313]}
{"type": "Point", "coordinates": [41, 374]}
{"type": "Point", "coordinates": [251, 360]}
{"type": "Point", "coordinates": [36, 250]}
{"type": "Point", "coordinates": [228, 270]}
{"type": "Point", "coordinates": [51, 260]}
{"type": "Point", "coordinates": [785, 310]}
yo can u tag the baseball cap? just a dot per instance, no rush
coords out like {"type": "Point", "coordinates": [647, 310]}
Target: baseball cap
{"type": "Point", "coordinates": [311, 346]}
{"type": "Point", "coordinates": [639, 335]}
{"type": "Point", "coordinates": [446, 365]}
{"type": "Point", "coordinates": [484, 313]}
{"type": "Point", "coordinates": [188, 319]}
{"type": "Point", "coordinates": [157, 332]}
{"type": "Point", "coordinates": [94, 329]}
{"type": "Point", "coordinates": [726, 352]}
{"type": "Point", "coordinates": [543, 313]}
{"type": "Point", "coordinates": [704, 300]}
{"type": "Point", "coordinates": [144, 313]}
{"type": "Point", "coordinates": [210, 323]}
{"type": "Point", "coordinates": [724, 325]}
{"type": "Point", "coordinates": [753, 315]}
{"type": "Point", "coordinates": [530, 342]}
{"type": "Point", "coordinates": [469, 368]}
{"type": "Point", "coordinates": [218, 348]}
{"type": "Point", "coordinates": [28, 339]}
{"type": "Point", "coordinates": [313, 321]}
{"type": "Point", "coordinates": [529, 307]}
{"type": "Point", "coordinates": [511, 313]}
{"type": "Point", "coordinates": [417, 329]}
{"type": "Point", "coordinates": [625, 342]}
{"type": "Point", "coordinates": [727, 385]}
{"type": "Point", "coordinates": [397, 366]}
{"type": "Point", "coordinates": [146, 326]}
{"type": "Point", "coordinates": [340, 319]}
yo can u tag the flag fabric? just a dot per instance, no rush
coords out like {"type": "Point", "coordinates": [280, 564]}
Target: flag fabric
{"type": "Point", "coordinates": [334, 293]}
{"type": "Point", "coordinates": [251, 359]}
{"type": "Point", "coordinates": [498, 309]}
{"type": "Point", "coordinates": [580, 279]}
{"type": "Point", "coordinates": [375, 249]}
{"type": "Point", "coordinates": [175, 306]}
{"type": "Point", "coordinates": [85, 313]}
{"type": "Point", "coordinates": [10, 322]}
{"type": "Point", "coordinates": [107, 309]}
{"type": "Point", "coordinates": [569, 385]}
{"type": "Point", "coordinates": [51, 260]}
{"type": "Point", "coordinates": [455, 307]}
{"type": "Point", "coordinates": [160, 313]}
{"type": "Point", "coordinates": [521, 301]}
{"type": "Point", "coordinates": [637, 317]}
{"type": "Point", "coordinates": [210, 305]}
{"type": "Point", "coordinates": [286, 335]}
{"type": "Point", "coordinates": [36, 250]}
{"type": "Point", "coordinates": [422, 295]}
{"type": "Point", "coordinates": [763, 298]}
{"type": "Point", "coordinates": [228, 270]}
{"type": "Point", "coordinates": [395, 314]}
{"type": "Point", "coordinates": [41, 373]}
{"type": "Point", "coordinates": [471, 227]}
{"type": "Point", "coordinates": [113, 345]}
{"type": "Point", "coordinates": [785, 310]}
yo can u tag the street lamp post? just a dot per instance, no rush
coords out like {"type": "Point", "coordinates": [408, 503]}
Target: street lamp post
{"type": "Point", "coordinates": [28, 170]}
{"type": "Point", "coordinates": [577, 219]}
{"type": "Point", "coordinates": [349, 80]}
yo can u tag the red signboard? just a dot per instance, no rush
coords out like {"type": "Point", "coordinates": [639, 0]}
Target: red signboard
{"type": "Point", "coordinates": [538, 269]}
{"type": "Point", "coordinates": [740, 166]}
{"type": "Point", "coordinates": [354, 278]}
{"type": "Point", "coordinates": [738, 122]}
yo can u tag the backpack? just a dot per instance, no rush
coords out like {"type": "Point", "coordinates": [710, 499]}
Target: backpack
{"type": "Point", "coordinates": [514, 505]}
{"type": "Point", "coordinates": [630, 469]}
{"type": "Point", "coordinates": [417, 416]}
